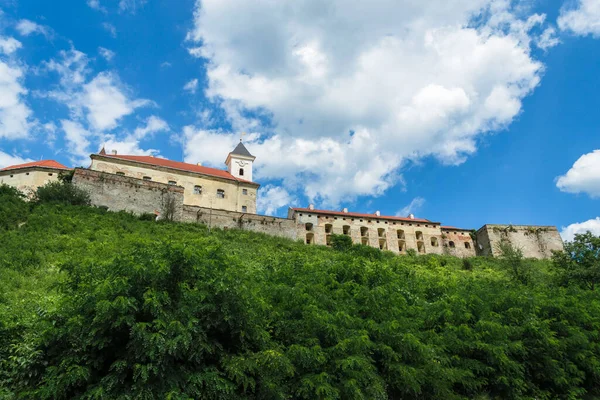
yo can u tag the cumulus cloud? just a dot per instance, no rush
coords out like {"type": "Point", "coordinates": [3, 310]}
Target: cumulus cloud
{"type": "Point", "coordinates": [26, 27]}
{"type": "Point", "coordinates": [106, 53]}
{"type": "Point", "coordinates": [77, 139]}
{"type": "Point", "coordinates": [568, 233]}
{"type": "Point", "coordinates": [191, 86]}
{"type": "Point", "coordinates": [413, 207]}
{"type": "Point", "coordinates": [351, 93]}
{"type": "Point", "coordinates": [7, 160]}
{"type": "Point", "coordinates": [582, 19]}
{"type": "Point", "coordinates": [15, 116]}
{"type": "Point", "coordinates": [272, 198]}
{"type": "Point", "coordinates": [583, 177]}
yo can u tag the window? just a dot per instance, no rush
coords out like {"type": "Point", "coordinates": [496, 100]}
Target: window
{"type": "Point", "coordinates": [364, 231]}
{"type": "Point", "coordinates": [434, 242]}
{"type": "Point", "coordinates": [451, 244]}
{"type": "Point", "coordinates": [467, 245]}
{"type": "Point", "coordinates": [328, 240]}
{"type": "Point", "coordinates": [382, 244]}
{"type": "Point", "coordinates": [381, 232]}
{"type": "Point", "coordinates": [421, 247]}
{"type": "Point", "coordinates": [328, 228]}
{"type": "Point", "coordinates": [50, 174]}
{"type": "Point", "coordinates": [401, 245]}
{"type": "Point", "coordinates": [346, 229]}
{"type": "Point", "coordinates": [245, 192]}
{"type": "Point", "coordinates": [120, 173]}
{"type": "Point", "coordinates": [26, 173]}
{"type": "Point", "coordinates": [308, 226]}
{"type": "Point", "coordinates": [220, 194]}
{"type": "Point", "coordinates": [244, 209]}
{"type": "Point", "coordinates": [197, 189]}
{"type": "Point", "coordinates": [400, 233]}
{"type": "Point", "coordinates": [310, 237]}
{"type": "Point", "coordinates": [172, 183]}
{"type": "Point", "coordinates": [419, 235]}
{"type": "Point", "coordinates": [147, 178]}
{"type": "Point", "coordinates": [241, 171]}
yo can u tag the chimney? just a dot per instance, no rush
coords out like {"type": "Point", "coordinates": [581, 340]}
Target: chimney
{"type": "Point", "coordinates": [378, 213]}
{"type": "Point", "coordinates": [199, 164]}
{"type": "Point", "coordinates": [345, 210]}
{"type": "Point", "coordinates": [114, 152]}
{"type": "Point", "coordinates": [411, 216]}
{"type": "Point", "coordinates": [311, 206]}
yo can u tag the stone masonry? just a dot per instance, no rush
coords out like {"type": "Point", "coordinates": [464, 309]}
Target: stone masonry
{"type": "Point", "coordinates": [533, 241]}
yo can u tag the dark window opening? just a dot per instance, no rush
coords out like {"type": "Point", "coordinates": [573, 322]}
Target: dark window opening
{"type": "Point", "coordinates": [241, 171]}
{"type": "Point", "coordinates": [220, 194]}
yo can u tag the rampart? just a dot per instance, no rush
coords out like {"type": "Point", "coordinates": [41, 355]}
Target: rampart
{"type": "Point", "coordinates": [533, 241]}
{"type": "Point", "coordinates": [224, 219]}
{"type": "Point", "coordinates": [129, 194]}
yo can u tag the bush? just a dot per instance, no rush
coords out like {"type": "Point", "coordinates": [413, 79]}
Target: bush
{"type": "Point", "coordinates": [13, 207]}
{"type": "Point", "coordinates": [579, 263]}
{"type": "Point", "coordinates": [341, 242]}
{"type": "Point", "coordinates": [62, 193]}
{"type": "Point", "coordinates": [147, 217]}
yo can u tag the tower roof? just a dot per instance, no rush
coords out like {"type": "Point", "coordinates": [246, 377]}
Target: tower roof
{"type": "Point", "coordinates": [241, 150]}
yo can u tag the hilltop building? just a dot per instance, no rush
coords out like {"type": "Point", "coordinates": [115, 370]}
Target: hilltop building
{"type": "Point", "coordinates": [397, 234]}
{"type": "Point", "coordinates": [227, 199]}
{"type": "Point", "coordinates": [231, 189]}
{"type": "Point", "coordinates": [29, 176]}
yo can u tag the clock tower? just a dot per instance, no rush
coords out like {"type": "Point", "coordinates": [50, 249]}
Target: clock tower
{"type": "Point", "coordinates": [239, 162]}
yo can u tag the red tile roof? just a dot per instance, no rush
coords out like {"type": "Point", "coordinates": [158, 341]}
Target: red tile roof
{"type": "Point", "coordinates": [44, 164]}
{"type": "Point", "coordinates": [163, 162]}
{"type": "Point", "coordinates": [359, 215]}
{"type": "Point", "coordinates": [452, 228]}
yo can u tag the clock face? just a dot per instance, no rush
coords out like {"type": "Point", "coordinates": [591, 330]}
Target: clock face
{"type": "Point", "coordinates": [242, 163]}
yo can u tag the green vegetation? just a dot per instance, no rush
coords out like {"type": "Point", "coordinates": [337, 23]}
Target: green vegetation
{"type": "Point", "coordinates": [101, 305]}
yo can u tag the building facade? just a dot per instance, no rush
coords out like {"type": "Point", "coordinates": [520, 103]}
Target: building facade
{"type": "Point", "coordinates": [28, 177]}
{"type": "Point", "coordinates": [534, 241]}
{"type": "Point", "coordinates": [230, 190]}
{"type": "Point", "coordinates": [396, 234]}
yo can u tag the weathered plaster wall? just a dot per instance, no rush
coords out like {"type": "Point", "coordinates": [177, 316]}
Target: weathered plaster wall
{"type": "Point", "coordinates": [458, 243]}
{"type": "Point", "coordinates": [534, 241]}
{"type": "Point", "coordinates": [377, 232]}
{"type": "Point", "coordinates": [234, 198]}
{"type": "Point", "coordinates": [126, 193]}
{"type": "Point", "coordinates": [224, 219]}
{"type": "Point", "coordinates": [29, 179]}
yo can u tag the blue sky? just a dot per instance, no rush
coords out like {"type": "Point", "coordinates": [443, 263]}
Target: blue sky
{"type": "Point", "coordinates": [465, 112]}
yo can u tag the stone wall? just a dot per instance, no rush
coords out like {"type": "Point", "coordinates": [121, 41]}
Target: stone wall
{"type": "Point", "coordinates": [458, 242]}
{"type": "Point", "coordinates": [224, 219]}
{"type": "Point", "coordinates": [119, 193]}
{"type": "Point", "coordinates": [533, 241]}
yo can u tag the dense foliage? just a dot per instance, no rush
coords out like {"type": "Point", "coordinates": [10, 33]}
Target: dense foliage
{"type": "Point", "coordinates": [104, 305]}
{"type": "Point", "coordinates": [62, 192]}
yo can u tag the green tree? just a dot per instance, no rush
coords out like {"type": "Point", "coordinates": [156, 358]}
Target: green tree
{"type": "Point", "coordinates": [341, 242]}
{"type": "Point", "coordinates": [13, 207]}
{"type": "Point", "coordinates": [62, 192]}
{"type": "Point", "coordinates": [580, 261]}
{"type": "Point", "coordinates": [512, 259]}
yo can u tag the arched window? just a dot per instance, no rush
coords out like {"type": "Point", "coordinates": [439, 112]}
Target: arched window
{"type": "Point", "coordinates": [451, 244]}
{"type": "Point", "coordinates": [467, 245]}
{"type": "Point", "coordinates": [310, 238]}
{"type": "Point", "coordinates": [346, 229]}
{"type": "Point", "coordinates": [308, 226]}
{"type": "Point", "coordinates": [401, 245]}
{"type": "Point", "coordinates": [419, 235]}
{"type": "Point", "coordinates": [381, 232]}
{"type": "Point", "coordinates": [241, 171]}
{"type": "Point", "coordinates": [400, 233]}
{"type": "Point", "coordinates": [434, 242]}
{"type": "Point", "coordinates": [364, 231]}
{"type": "Point", "coordinates": [421, 247]}
{"type": "Point", "coordinates": [328, 228]}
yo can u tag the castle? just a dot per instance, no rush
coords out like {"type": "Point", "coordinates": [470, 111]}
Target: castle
{"type": "Point", "coordinates": [227, 199]}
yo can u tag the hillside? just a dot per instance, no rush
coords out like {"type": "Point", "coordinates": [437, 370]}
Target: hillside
{"type": "Point", "coordinates": [106, 305]}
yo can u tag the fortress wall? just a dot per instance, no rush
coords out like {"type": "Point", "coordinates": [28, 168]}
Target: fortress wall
{"type": "Point", "coordinates": [224, 219]}
{"type": "Point", "coordinates": [534, 241]}
{"type": "Point", "coordinates": [458, 243]}
{"type": "Point", "coordinates": [128, 194]}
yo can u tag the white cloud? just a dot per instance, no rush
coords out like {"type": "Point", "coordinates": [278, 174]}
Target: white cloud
{"type": "Point", "coordinates": [547, 39]}
{"type": "Point", "coordinates": [272, 198]}
{"type": "Point", "coordinates": [15, 115]}
{"type": "Point", "coordinates": [106, 102]}
{"type": "Point", "coordinates": [110, 28]}
{"type": "Point", "coordinates": [26, 27]}
{"type": "Point", "coordinates": [411, 208]}
{"type": "Point", "coordinates": [410, 79]}
{"type": "Point", "coordinates": [583, 177]}
{"type": "Point", "coordinates": [153, 124]}
{"type": "Point", "coordinates": [95, 4]}
{"type": "Point", "coordinates": [7, 160]}
{"type": "Point", "coordinates": [592, 225]}
{"type": "Point", "coordinates": [9, 45]}
{"type": "Point", "coordinates": [77, 138]}
{"type": "Point", "coordinates": [131, 5]}
{"type": "Point", "coordinates": [191, 86]}
{"type": "Point", "coordinates": [165, 64]}
{"type": "Point", "coordinates": [106, 53]}
{"type": "Point", "coordinates": [583, 19]}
